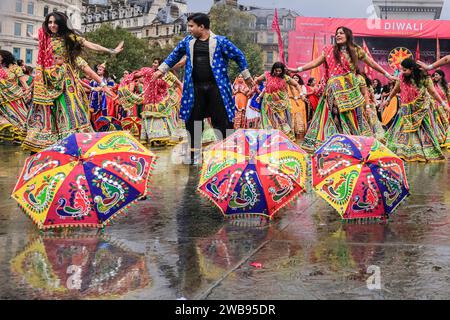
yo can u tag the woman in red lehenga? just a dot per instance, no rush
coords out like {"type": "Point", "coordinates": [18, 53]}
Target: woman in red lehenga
{"type": "Point", "coordinates": [439, 115]}
{"type": "Point", "coordinates": [341, 108]}
{"type": "Point", "coordinates": [161, 100]}
{"type": "Point", "coordinates": [313, 93]}
{"type": "Point", "coordinates": [60, 105]}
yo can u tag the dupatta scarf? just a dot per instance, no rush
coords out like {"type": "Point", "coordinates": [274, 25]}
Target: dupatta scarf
{"type": "Point", "coordinates": [48, 81]}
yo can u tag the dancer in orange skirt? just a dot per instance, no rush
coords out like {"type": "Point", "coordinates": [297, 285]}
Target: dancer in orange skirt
{"type": "Point", "coordinates": [240, 92]}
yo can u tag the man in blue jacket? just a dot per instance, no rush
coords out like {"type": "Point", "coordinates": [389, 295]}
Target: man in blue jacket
{"type": "Point", "coordinates": [207, 89]}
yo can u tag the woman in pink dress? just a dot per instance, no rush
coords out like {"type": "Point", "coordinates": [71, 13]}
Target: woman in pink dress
{"type": "Point", "coordinates": [341, 108]}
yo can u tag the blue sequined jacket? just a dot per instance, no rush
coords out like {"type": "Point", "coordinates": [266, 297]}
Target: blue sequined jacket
{"type": "Point", "coordinates": [221, 50]}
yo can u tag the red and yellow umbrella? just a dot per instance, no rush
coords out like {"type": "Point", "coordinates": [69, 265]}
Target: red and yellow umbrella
{"type": "Point", "coordinates": [78, 267]}
{"type": "Point", "coordinates": [85, 180]}
{"type": "Point", "coordinates": [359, 177]}
{"type": "Point", "coordinates": [106, 124]}
{"type": "Point", "coordinates": [253, 172]}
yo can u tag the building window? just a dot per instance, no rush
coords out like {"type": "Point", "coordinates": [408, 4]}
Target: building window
{"type": "Point", "coordinates": [29, 56]}
{"type": "Point", "coordinates": [157, 30]}
{"type": "Point", "coordinates": [17, 29]}
{"type": "Point", "coordinates": [174, 12]}
{"type": "Point", "coordinates": [30, 7]}
{"type": "Point", "coordinates": [30, 28]}
{"type": "Point", "coordinates": [16, 53]}
{"type": "Point", "coordinates": [270, 37]}
{"type": "Point", "coordinates": [270, 57]}
{"type": "Point", "coordinates": [288, 24]}
{"type": "Point", "coordinates": [18, 5]}
{"type": "Point", "coordinates": [146, 33]}
{"type": "Point", "coordinates": [45, 11]}
{"type": "Point", "coordinates": [167, 31]}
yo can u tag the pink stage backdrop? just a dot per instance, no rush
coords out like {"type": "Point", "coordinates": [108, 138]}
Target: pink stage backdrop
{"type": "Point", "coordinates": [397, 33]}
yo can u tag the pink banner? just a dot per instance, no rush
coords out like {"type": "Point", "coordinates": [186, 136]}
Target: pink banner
{"type": "Point", "coordinates": [301, 39]}
{"type": "Point", "coordinates": [378, 27]}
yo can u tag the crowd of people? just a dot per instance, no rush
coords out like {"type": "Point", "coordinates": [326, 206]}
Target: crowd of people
{"type": "Point", "coordinates": [64, 95]}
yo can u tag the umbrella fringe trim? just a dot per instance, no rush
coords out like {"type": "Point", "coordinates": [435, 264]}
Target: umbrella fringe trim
{"type": "Point", "coordinates": [122, 212]}
{"type": "Point", "coordinates": [125, 210]}
{"type": "Point", "coordinates": [270, 217]}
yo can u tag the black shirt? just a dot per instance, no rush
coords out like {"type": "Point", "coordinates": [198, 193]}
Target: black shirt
{"type": "Point", "coordinates": [202, 71]}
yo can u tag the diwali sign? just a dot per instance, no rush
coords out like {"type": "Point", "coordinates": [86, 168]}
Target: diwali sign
{"type": "Point", "coordinates": [323, 29]}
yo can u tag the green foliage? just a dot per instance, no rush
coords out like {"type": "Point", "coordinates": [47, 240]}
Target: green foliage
{"type": "Point", "coordinates": [230, 22]}
{"type": "Point", "coordinates": [135, 54]}
{"type": "Point", "coordinates": [163, 52]}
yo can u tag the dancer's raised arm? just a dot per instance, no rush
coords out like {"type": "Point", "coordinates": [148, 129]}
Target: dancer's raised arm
{"type": "Point", "coordinates": [441, 62]}
{"type": "Point", "coordinates": [310, 65]}
{"type": "Point", "coordinates": [96, 47]}
{"type": "Point", "coordinates": [374, 65]}
{"type": "Point", "coordinates": [393, 93]}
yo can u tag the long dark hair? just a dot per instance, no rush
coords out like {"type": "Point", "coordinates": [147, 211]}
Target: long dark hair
{"type": "Point", "coordinates": [105, 72]}
{"type": "Point", "coordinates": [378, 88]}
{"type": "Point", "coordinates": [310, 81]}
{"type": "Point", "coordinates": [300, 80]}
{"type": "Point", "coordinates": [417, 74]}
{"type": "Point", "coordinates": [73, 47]}
{"type": "Point", "coordinates": [8, 58]}
{"type": "Point", "coordinates": [350, 46]}
{"type": "Point", "coordinates": [443, 81]}
{"type": "Point", "coordinates": [278, 65]}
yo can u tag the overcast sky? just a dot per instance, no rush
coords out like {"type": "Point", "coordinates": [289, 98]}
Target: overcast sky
{"type": "Point", "coordinates": [315, 8]}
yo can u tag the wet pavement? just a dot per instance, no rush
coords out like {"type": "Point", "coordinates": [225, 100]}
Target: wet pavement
{"type": "Point", "coordinates": [177, 245]}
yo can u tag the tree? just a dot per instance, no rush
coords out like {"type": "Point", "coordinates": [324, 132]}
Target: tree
{"type": "Point", "coordinates": [236, 27]}
{"type": "Point", "coordinates": [136, 53]}
{"type": "Point", "coordinates": [163, 52]}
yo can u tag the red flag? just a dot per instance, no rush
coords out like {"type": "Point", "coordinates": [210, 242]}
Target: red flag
{"type": "Point", "coordinates": [276, 28]}
{"type": "Point", "coordinates": [438, 49]}
{"type": "Point", "coordinates": [418, 51]}
{"type": "Point", "coordinates": [367, 70]}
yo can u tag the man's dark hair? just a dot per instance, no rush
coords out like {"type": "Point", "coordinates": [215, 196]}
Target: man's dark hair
{"type": "Point", "coordinates": [200, 19]}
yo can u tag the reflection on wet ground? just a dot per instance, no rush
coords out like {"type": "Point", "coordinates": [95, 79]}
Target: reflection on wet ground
{"type": "Point", "coordinates": [177, 245]}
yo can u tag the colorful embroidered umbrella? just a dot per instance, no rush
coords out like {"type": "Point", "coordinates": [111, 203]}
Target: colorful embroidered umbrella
{"type": "Point", "coordinates": [133, 125]}
{"type": "Point", "coordinates": [85, 180]}
{"type": "Point", "coordinates": [359, 177]}
{"type": "Point", "coordinates": [253, 172]}
{"type": "Point", "coordinates": [79, 267]}
{"type": "Point", "coordinates": [107, 124]}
